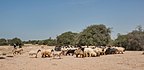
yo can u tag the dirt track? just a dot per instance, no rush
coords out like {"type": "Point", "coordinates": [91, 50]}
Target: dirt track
{"type": "Point", "coordinates": [130, 60]}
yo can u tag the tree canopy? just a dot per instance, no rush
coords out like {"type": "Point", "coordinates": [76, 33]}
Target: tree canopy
{"type": "Point", "coordinates": [94, 35]}
{"type": "Point", "coordinates": [13, 41]}
{"type": "Point", "coordinates": [133, 40]}
{"type": "Point", "coordinates": [67, 38]}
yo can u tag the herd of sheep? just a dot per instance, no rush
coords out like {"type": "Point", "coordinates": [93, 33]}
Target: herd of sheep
{"type": "Point", "coordinates": [80, 52]}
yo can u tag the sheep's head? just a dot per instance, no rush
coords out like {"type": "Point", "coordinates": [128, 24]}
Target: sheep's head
{"type": "Point", "coordinates": [39, 50]}
{"type": "Point", "coordinates": [52, 50]}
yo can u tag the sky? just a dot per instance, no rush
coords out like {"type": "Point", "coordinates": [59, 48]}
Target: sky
{"type": "Point", "coordinates": [41, 19]}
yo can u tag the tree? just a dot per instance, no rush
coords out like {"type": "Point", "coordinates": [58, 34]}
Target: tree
{"type": "Point", "coordinates": [94, 35]}
{"type": "Point", "coordinates": [67, 38]}
{"type": "Point", "coordinates": [133, 40]}
{"type": "Point", "coordinates": [121, 40]}
{"type": "Point", "coordinates": [50, 42]}
{"type": "Point", "coordinates": [136, 40]}
{"type": "Point", "coordinates": [3, 42]}
{"type": "Point", "coordinates": [16, 41]}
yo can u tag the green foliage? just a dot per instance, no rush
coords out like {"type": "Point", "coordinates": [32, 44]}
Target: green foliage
{"type": "Point", "coordinates": [11, 42]}
{"type": "Point", "coordinates": [121, 40]}
{"type": "Point", "coordinates": [16, 41]}
{"type": "Point", "coordinates": [3, 42]}
{"type": "Point", "coordinates": [94, 35]}
{"type": "Point", "coordinates": [133, 40]}
{"type": "Point", "coordinates": [67, 38]}
{"type": "Point", "coordinates": [49, 42]}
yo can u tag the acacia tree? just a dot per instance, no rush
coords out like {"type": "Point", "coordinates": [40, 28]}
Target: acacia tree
{"type": "Point", "coordinates": [133, 40]}
{"type": "Point", "coordinates": [49, 42]}
{"type": "Point", "coordinates": [94, 35]}
{"type": "Point", "coordinates": [16, 41]}
{"type": "Point", "coordinates": [3, 42]}
{"type": "Point", "coordinates": [121, 40]}
{"type": "Point", "coordinates": [67, 38]}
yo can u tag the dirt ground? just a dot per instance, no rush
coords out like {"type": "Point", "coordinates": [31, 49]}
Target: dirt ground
{"type": "Point", "coordinates": [130, 60]}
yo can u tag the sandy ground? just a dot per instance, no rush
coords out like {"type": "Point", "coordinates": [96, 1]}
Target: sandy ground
{"type": "Point", "coordinates": [130, 60]}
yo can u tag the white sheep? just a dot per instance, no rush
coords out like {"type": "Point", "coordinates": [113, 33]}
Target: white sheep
{"type": "Point", "coordinates": [91, 47]}
{"type": "Point", "coordinates": [88, 52]}
{"type": "Point", "coordinates": [56, 53]}
{"type": "Point", "coordinates": [93, 54]}
{"type": "Point", "coordinates": [120, 50]}
{"type": "Point", "coordinates": [46, 53]}
{"type": "Point", "coordinates": [79, 51]}
{"type": "Point", "coordinates": [98, 51]}
{"type": "Point", "coordinates": [64, 49]}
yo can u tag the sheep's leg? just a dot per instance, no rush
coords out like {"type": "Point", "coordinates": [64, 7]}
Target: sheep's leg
{"type": "Point", "coordinates": [90, 54]}
{"type": "Point", "coordinates": [59, 56]}
{"type": "Point", "coordinates": [43, 55]}
{"type": "Point", "coordinates": [104, 53]}
{"type": "Point", "coordinates": [36, 56]}
{"type": "Point", "coordinates": [17, 52]}
{"type": "Point", "coordinates": [85, 54]}
{"type": "Point", "coordinates": [20, 53]}
{"type": "Point", "coordinates": [13, 53]}
{"type": "Point", "coordinates": [53, 56]}
{"type": "Point", "coordinates": [82, 55]}
{"type": "Point", "coordinates": [121, 52]}
{"type": "Point", "coordinates": [72, 54]}
{"type": "Point", "coordinates": [76, 55]}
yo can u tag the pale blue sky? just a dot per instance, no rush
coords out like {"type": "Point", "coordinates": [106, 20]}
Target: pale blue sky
{"type": "Point", "coordinates": [41, 19]}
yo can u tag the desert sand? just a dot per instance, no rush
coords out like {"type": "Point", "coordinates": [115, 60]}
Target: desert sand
{"type": "Point", "coordinates": [130, 60]}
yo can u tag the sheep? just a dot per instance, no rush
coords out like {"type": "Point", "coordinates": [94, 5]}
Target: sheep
{"type": "Point", "coordinates": [46, 53]}
{"type": "Point", "coordinates": [93, 54]}
{"type": "Point", "coordinates": [71, 51]}
{"type": "Point", "coordinates": [18, 50]}
{"type": "Point", "coordinates": [91, 47]}
{"type": "Point", "coordinates": [79, 51]}
{"type": "Point", "coordinates": [104, 50]}
{"type": "Point", "coordinates": [56, 53]}
{"type": "Point", "coordinates": [120, 50]}
{"type": "Point", "coordinates": [88, 52]}
{"type": "Point", "coordinates": [57, 48]}
{"type": "Point", "coordinates": [98, 51]}
{"type": "Point", "coordinates": [111, 50]}
{"type": "Point", "coordinates": [34, 52]}
{"type": "Point", "coordinates": [64, 50]}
